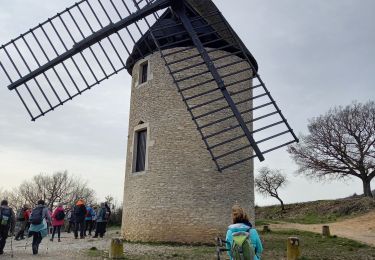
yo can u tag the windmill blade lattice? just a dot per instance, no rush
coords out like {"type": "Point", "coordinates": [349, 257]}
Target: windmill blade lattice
{"type": "Point", "coordinates": [215, 74]}
{"type": "Point", "coordinates": [211, 91]}
{"type": "Point", "coordinates": [73, 51]}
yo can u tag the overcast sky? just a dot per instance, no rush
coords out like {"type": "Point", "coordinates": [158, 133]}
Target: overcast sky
{"type": "Point", "coordinates": [312, 54]}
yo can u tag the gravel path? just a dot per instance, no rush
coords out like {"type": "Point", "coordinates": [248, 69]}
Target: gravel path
{"type": "Point", "coordinates": [68, 248]}
{"type": "Point", "coordinates": [360, 228]}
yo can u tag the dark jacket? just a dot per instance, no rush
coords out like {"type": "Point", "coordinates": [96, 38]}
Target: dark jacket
{"type": "Point", "coordinates": [5, 210]}
{"type": "Point", "coordinates": [79, 213]}
{"type": "Point", "coordinates": [102, 215]}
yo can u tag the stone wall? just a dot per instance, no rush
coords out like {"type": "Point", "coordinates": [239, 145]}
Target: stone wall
{"type": "Point", "coordinates": [181, 196]}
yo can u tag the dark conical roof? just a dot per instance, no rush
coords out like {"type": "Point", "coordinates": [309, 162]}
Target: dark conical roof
{"type": "Point", "coordinates": [168, 25]}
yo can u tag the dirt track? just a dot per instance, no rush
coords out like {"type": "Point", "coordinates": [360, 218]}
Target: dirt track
{"type": "Point", "coordinates": [360, 228]}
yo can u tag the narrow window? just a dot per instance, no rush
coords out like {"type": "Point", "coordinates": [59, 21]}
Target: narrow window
{"type": "Point", "coordinates": [144, 72]}
{"type": "Point", "coordinates": [140, 162]}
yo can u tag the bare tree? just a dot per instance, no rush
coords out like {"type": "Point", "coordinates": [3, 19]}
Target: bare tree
{"type": "Point", "coordinates": [269, 181]}
{"type": "Point", "coordinates": [57, 188]}
{"type": "Point", "coordinates": [15, 200]}
{"type": "Point", "coordinates": [340, 144]}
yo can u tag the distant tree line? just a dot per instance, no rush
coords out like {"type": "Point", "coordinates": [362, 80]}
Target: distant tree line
{"type": "Point", "coordinates": [60, 187]}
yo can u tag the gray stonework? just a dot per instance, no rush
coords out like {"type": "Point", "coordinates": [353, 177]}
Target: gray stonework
{"type": "Point", "coordinates": [181, 196]}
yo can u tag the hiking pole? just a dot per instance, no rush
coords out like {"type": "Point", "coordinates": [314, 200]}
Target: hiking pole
{"type": "Point", "coordinates": [27, 241]}
{"type": "Point", "coordinates": [11, 246]}
{"type": "Point", "coordinates": [47, 238]}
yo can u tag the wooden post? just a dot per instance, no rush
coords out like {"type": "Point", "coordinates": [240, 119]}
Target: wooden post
{"type": "Point", "coordinates": [326, 232]}
{"type": "Point", "coordinates": [293, 248]}
{"type": "Point", "coordinates": [266, 228]}
{"type": "Point", "coordinates": [117, 249]}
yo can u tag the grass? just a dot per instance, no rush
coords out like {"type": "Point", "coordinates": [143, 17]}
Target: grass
{"type": "Point", "coordinates": [263, 222]}
{"type": "Point", "coordinates": [314, 247]}
{"type": "Point", "coordinates": [309, 218]}
{"type": "Point", "coordinates": [95, 253]}
{"type": "Point", "coordinates": [316, 212]}
{"type": "Point", "coordinates": [315, 218]}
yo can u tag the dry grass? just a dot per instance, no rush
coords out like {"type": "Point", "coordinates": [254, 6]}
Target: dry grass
{"type": "Point", "coordinates": [323, 211]}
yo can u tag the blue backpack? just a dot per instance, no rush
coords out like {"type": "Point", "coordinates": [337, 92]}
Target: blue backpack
{"type": "Point", "coordinates": [36, 217]}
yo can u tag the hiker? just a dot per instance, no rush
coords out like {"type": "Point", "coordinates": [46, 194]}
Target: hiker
{"type": "Point", "coordinates": [79, 215]}
{"type": "Point", "coordinates": [95, 209]}
{"type": "Point", "coordinates": [101, 220]}
{"type": "Point", "coordinates": [58, 217]}
{"type": "Point", "coordinates": [246, 220]}
{"type": "Point", "coordinates": [50, 228]}
{"type": "Point", "coordinates": [70, 219]}
{"type": "Point", "coordinates": [243, 241]}
{"type": "Point", "coordinates": [108, 210]}
{"type": "Point", "coordinates": [23, 216]}
{"type": "Point", "coordinates": [89, 219]}
{"type": "Point", "coordinates": [7, 223]}
{"type": "Point", "coordinates": [39, 219]}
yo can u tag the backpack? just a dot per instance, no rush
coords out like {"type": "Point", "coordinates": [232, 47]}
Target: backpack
{"type": "Point", "coordinates": [242, 249]}
{"type": "Point", "coordinates": [79, 213]}
{"type": "Point", "coordinates": [21, 215]}
{"type": "Point", "coordinates": [37, 216]}
{"type": "Point", "coordinates": [107, 214]}
{"type": "Point", "coordinates": [5, 216]}
{"type": "Point", "coordinates": [103, 214]}
{"type": "Point", "coordinates": [60, 215]}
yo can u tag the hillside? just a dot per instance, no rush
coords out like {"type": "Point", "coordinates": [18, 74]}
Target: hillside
{"type": "Point", "coordinates": [315, 212]}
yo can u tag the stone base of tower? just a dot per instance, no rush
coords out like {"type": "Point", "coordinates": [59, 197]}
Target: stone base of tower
{"type": "Point", "coordinates": [180, 196]}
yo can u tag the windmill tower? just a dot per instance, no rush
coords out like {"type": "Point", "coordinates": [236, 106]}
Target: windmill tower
{"type": "Point", "coordinates": [199, 112]}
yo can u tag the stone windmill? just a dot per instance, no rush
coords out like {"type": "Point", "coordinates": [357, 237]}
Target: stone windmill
{"type": "Point", "coordinates": [199, 111]}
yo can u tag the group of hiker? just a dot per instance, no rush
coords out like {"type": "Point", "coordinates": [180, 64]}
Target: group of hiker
{"type": "Point", "coordinates": [242, 241]}
{"type": "Point", "coordinates": [40, 221]}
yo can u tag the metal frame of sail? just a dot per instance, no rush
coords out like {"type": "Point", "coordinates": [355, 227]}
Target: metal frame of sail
{"type": "Point", "coordinates": [48, 73]}
{"type": "Point", "coordinates": [150, 8]}
{"type": "Point", "coordinates": [178, 9]}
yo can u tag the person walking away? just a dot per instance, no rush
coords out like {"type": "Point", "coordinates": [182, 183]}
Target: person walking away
{"type": "Point", "coordinates": [108, 211]}
{"type": "Point", "coordinates": [50, 228]}
{"type": "Point", "coordinates": [58, 217]}
{"type": "Point", "coordinates": [95, 210]}
{"type": "Point", "coordinates": [243, 241]}
{"type": "Point", "coordinates": [101, 221]}
{"type": "Point", "coordinates": [70, 219]}
{"type": "Point", "coordinates": [39, 219]}
{"type": "Point", "coordinates": [89, 219]}
{"type": "Point", "coordinates": [23, 216]}
{"type": "Point", "coordinates": [79, 218]}
{"type": "Point", "coordinates": [7, 223]}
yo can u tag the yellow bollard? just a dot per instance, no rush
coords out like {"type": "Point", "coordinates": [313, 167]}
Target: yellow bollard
{"type": "Point", "coordinates": [117, 249]}
{"type": "Point", "coordinates": [293, 248]}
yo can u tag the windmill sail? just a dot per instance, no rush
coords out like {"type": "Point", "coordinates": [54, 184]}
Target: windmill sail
{"type": "Point", "coordinates": [71, 52]}
{"type": "Point", "coordinates": [93, 40]}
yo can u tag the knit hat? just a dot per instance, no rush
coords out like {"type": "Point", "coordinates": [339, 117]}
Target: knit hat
{"type": "Point", "coordinates": [80, 202]}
